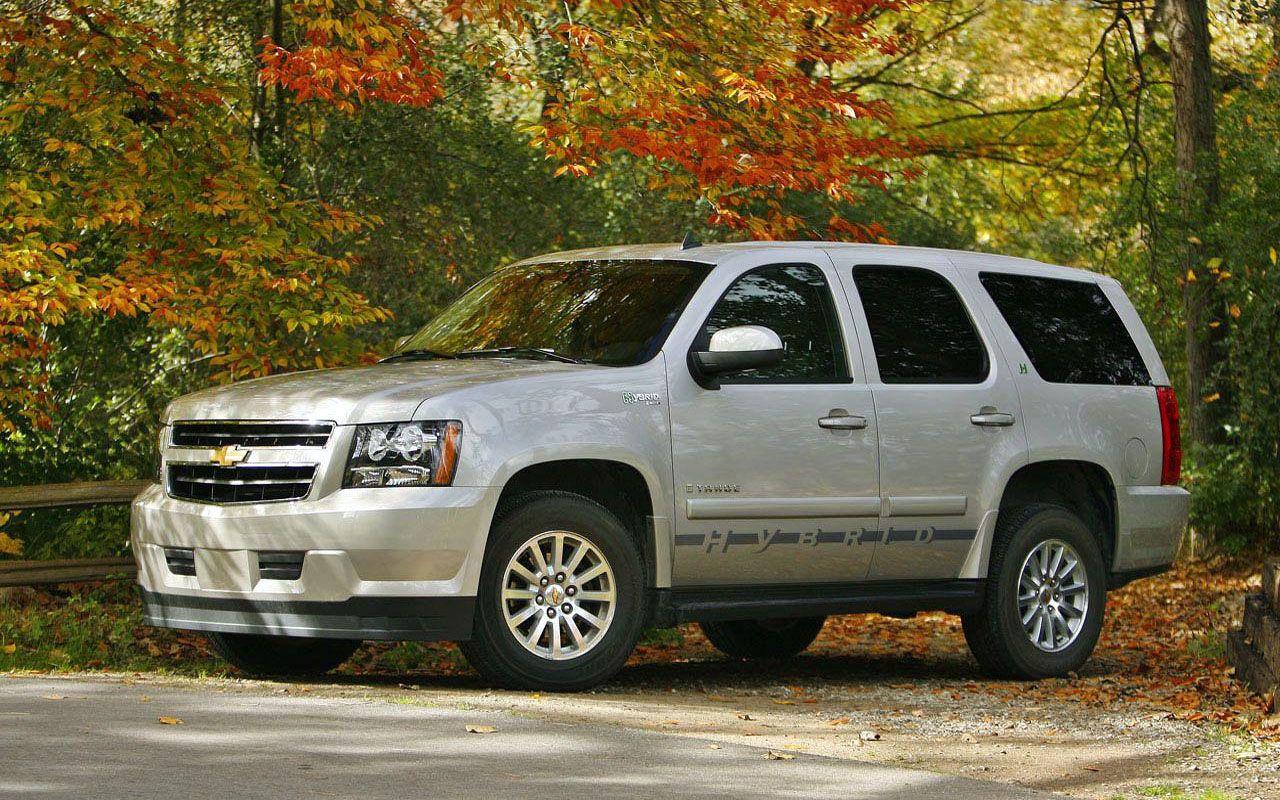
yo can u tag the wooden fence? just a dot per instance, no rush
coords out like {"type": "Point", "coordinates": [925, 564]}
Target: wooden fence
{"type": "Point", "coordinates": [63, 495]}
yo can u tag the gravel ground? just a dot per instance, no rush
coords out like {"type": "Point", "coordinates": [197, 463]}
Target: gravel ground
{"type": "Point", "coordinates": [814, 706]}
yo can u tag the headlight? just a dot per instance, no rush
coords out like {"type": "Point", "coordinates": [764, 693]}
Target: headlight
{"type": "Point", "coordinates": [403, 454]}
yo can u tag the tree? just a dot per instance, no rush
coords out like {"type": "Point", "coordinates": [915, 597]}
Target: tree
{"type": "Point", "coordinates": [731, 105]}
{"type": "Point", "coordinates": [1199, 193]}
{"type": "Point", "coordinates": [128, 194]}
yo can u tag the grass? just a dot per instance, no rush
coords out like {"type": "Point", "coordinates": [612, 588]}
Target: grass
{"type": "Point", "coordinates": [1208, 646]}
{"type": "Point", "coordinates": [1177, 793]}
{"type": "Point", "coordinates": [95, 628]}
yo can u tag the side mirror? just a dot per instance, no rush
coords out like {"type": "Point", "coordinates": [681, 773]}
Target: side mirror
{"type": "Point", "coordinates": [735, 349]}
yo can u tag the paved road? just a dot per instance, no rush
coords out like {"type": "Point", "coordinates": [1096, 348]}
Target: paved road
{"type": "Point", "coordinates": [87, 739]}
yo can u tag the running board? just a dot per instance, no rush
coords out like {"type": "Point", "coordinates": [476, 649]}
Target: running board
{"type": "Point", "coordinates": [894, 598]}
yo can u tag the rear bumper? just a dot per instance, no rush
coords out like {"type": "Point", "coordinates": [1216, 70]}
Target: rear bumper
{"type": "Point", "coordinates": [1151, 522]}
{"type": "Point", "coordinates": [386, 618]}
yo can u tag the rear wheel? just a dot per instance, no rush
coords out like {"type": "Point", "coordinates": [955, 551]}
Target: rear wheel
{"type": "Point", "coordinates": [1045, 599]}
{"type": "Point", "coordinates": [763, 638]}
{"type": "Point", "coordinates": [282, 656]}
{"type": "Point", "coordinates": [561, 599]}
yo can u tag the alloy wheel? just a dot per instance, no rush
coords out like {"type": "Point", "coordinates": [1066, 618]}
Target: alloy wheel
{"type": "Point", "coordinates": [558, 595]}
{"type": "Point", "coordinates": [1053, 595]}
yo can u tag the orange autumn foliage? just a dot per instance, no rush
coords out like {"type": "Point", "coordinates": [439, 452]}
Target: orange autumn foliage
{"type": "Point", "coordinates": [736, 106]}
{"type": "Point", "coordinates": [126, 193]}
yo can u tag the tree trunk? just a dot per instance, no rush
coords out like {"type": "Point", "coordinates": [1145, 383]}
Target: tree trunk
{"type": "Point", "coordinates": [1196, 154]}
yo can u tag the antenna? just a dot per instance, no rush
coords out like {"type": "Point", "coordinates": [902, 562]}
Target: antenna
{"type": "Point", "coordinates": [690, 241]}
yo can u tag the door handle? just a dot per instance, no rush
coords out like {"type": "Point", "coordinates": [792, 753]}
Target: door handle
{"type": "Point", "coordinates": [990, 417]}
{"type": "Point", "coordinates": [842, 422]}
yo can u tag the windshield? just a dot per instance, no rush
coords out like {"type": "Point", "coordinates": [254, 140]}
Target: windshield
{"type": "Point", "coordinates": [603, 312]}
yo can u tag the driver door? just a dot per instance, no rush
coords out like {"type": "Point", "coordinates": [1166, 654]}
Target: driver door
{"type": "Point", "coordinates": [776, 473]}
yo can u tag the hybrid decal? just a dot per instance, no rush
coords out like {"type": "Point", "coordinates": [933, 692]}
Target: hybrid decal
{"type": "Point", "coordinates": [760, 541]}
{"type": "Point", "coordinates": [712, 488]}
{"type": "Point", "coordinates": [641, 398]}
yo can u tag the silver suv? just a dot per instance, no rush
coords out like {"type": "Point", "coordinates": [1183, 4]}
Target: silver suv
{"type": "Point", "coordinates": [749, 436]}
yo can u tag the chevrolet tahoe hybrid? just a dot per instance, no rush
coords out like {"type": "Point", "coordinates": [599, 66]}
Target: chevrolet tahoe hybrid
{"type": "Point", "coordinates": [749, 436]}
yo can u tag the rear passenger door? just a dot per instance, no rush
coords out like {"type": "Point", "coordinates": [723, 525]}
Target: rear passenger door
{"type": "Point", "coordinates": [947, 412]}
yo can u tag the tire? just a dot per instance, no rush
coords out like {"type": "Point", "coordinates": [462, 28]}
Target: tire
{"type": "Point", "coordinates": [996, 633]}
{"type": "Point", "coordinates": [763, 638]}
{"type": "Point", "coordinates": [281, 656]}
{"type": "Point", "coordinates": [534, 521]}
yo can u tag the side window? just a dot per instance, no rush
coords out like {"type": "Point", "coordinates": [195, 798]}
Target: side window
{"type": "Point", "coordinates": [921, 331]}
{"type": "Point", "coordinates": [795, 301]}
{"type": "Point", "coordinates": [1070, 330]}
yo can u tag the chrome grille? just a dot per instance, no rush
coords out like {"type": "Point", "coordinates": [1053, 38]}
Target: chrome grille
{"type": "Point", "coordinates": [209, 483]}
{"type": "Point", "coordinates": [218, 433]}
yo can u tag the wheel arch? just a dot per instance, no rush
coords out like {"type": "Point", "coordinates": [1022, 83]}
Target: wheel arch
{"type": "Point", "coordinates": [623, 485]}
{"type": "Point", "coordinates": [1084, 487]}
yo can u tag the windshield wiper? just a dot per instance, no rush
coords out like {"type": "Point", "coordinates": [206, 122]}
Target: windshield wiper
{"type": "Point", "coordinates": [416, 354]}
{"type": "Point", "coordinates": [544, 352]}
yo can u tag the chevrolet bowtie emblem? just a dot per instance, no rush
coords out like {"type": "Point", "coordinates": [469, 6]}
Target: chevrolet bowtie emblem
{"type": "Point", "coordinates": [228, 455]}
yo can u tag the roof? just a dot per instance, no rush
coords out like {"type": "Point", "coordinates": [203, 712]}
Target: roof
{"type": "Point", "coordinates": [713, 253]}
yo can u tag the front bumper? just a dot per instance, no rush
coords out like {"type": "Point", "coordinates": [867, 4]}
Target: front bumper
{"type": "Point", "coordinates": [388, 618]}
{"type": "Point", "coordinates": [398, 563]}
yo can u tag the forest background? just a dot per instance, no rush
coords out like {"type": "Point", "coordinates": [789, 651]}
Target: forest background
{"type": "Point", "coordinates": [198, 191]}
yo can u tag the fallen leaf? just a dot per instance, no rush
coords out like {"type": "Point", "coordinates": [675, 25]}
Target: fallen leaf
{"type": "Point", "coordinates": [55, 697]}
{"type": "Point", "coordinates": [481, 729]}
{"type": "Point", "coordinates": [780, 702]}
{"type": "Point", "coordinates": [745, 716]}
{"type": "Point", "coordinates": [773, 755]}
{"type": "Point", "coordinates": [9, 649]}
{"type": "Point", "coordinates": [170, 721]}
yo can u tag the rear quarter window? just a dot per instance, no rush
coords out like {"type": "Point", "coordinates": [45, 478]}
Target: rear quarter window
{"type": "Point", "coordinates": [1069, 329]}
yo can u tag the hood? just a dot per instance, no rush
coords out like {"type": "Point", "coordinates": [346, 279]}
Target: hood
{"type": "Point", "coordinates": [376, 393]}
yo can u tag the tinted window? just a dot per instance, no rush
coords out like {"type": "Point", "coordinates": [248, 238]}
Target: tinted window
{"type": "Point", "coordinates": [794, 301]}
{"type": "Point", "coordinates": [920, 329]}
{"type": "Point", "coordinates": [604, 312]}
{"type": "Point", "coordinates": [1070, 330]}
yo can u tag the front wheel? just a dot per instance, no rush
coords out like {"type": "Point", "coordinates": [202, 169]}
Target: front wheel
{"type": "Point", "coordinates": [562, 595]}
{"type": "Point", "coordinates": [763, 638]}
{"type": "Point", "coordinates": [281, 656]}
{"type": "Point", "coordinates": [1046, 593]}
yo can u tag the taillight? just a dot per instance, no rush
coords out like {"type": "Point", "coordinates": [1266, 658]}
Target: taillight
{"type": "Point", "coordinates": [1170, 436]}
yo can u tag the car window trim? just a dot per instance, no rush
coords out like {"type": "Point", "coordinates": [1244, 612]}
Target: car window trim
{"type": "Point", "coordinates": [841, 341]}
{"type": "Point", "coordinates": [988, 363]}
